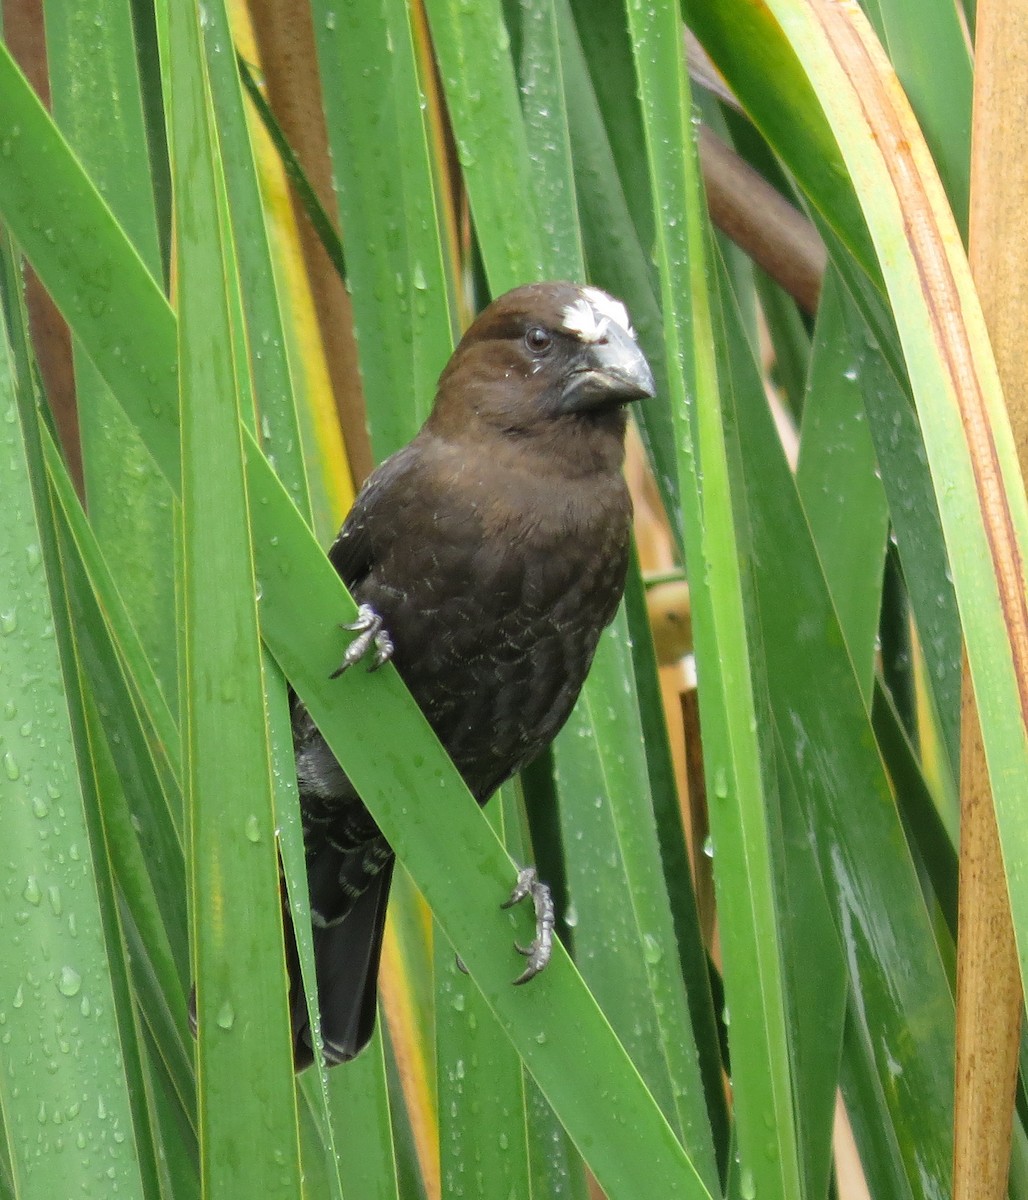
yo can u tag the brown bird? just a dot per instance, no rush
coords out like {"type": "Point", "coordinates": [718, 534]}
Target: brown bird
{"type": "Point", "coordinates": [486, 557]}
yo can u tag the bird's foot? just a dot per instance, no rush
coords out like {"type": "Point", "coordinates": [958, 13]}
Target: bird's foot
{"type": "Point", "coordinates": [538, 953]}
{"type": "Point", "coordinates": [370, 632]}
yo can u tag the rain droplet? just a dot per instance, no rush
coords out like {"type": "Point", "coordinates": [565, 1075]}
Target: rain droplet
{"type": "Point", "coordinates": [11, 769]}
{"type": "Point", "coordinates": [19, 997]}
{"type": "Point", "coordinates": [32, 893]}
{"type": "Point", "coordinates": [70, 982]}
{"type": "Point", "coordinates": [653, 952]}
{"type": "Point", "coordinates": [8, 621]}
{"type": "Point", "coordinates": [40, 807]}
{"type": "Point", "coordinates": [253, 828]}
{"type": "Point", "coordinates": [226, 1015]}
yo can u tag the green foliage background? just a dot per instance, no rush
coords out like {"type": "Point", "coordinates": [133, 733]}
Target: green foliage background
{"type": "Point", "coordinates": [148, 793]}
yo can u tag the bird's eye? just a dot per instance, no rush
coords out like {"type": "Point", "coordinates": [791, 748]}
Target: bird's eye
{"type": "Point", "coordinates": [538, 340]}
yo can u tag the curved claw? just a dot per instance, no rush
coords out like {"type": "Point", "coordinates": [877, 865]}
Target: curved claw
{"type": "Point", "coordinates": [370, 632]}
{"type": "Point", "coordinates": [383, 650]}
{"type": "Point", "coordinates": [538, 953]}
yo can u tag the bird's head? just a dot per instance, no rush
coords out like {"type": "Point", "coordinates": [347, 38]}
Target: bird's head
{"type": "Point", "coordinates": [545, 360]}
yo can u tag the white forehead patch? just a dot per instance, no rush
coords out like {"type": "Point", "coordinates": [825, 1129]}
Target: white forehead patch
{"type": "Point", "coordinates": [588, 316]}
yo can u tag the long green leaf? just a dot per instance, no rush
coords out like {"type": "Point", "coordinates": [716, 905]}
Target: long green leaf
{"type": "Point", "coordinates": [753, 966]}
{"type": "Point", "coordinates": [929, 48]}
{"type": "Point", "coordinates": [58, 1090]}
{"type": "Point", "coordinates": [837, 479]}
{"type": "Point", "coordinates": [236, 918]}
{"type": "Point", "coordinates": [95, 91]}
{"type": "Point", "coordinates": [395, 266]}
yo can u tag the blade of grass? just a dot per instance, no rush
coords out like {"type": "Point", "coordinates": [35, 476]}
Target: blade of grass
{"type": "Point", "coordinates": [324, 454]}
{"type": "Point", "coordinates": [674, 859]}
{"type": "Point", "coordinates": [271, 410]}
{"type": "Point", "coordinates": [613, 251]}
{"type": "Point", "coordinates": [401, 309]}
{"type": "Point", "coordinates": [610, 75]}
{"type": "Point", "coordinates": [242, 1013]}
{"type": "Point", "coordinates": [868, 1113]}
{"type": "Point", "coordinates": [893, 425]}
{"type": "Point", "coordinates": [146, 855]}
{"type": "Point", "coordinates": [95, 90]}
{"type": "Point", "coordinates": [752, 955]}
{"type": "Point", "coordinates": [59, 1089]}
{"type": "Point", "coordinates": [483, 1126]}
{"type": "Point", "coordinates": [936, 73]}
{"type": "Point", "coordinates": [359, 1103]}
{"type": "Point", "coordinates": [126, 329]}
{"type": "Point", "coordinates": [623, 933]}
{"type": "Point", "coordinates": [542, 89]}
{"type": "Point", "coordinates": [297, 177]}
{"type": "Point", "coordinates": [473, 51]}
{"type": "Point", "coordinates": [838, 483]}
{"type": "Point", "coordinates": [818, 986]}
{"type": "Point", "coordinates": [265, 339]}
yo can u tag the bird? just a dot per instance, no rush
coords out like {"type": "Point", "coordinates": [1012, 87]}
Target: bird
{"type": "Point", "coordinates": [485, 557]}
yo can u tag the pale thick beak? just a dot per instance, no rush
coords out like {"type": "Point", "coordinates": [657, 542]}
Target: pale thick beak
{"type": "Point", "coordinates": [609, 373]}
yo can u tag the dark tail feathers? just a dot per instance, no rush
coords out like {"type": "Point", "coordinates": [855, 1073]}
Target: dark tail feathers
{"type": "Point", "coordinates": [346, 956]}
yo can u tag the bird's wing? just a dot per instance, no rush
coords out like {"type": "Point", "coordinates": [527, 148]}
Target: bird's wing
{"type": "Point", "coordinates": [353, 552]}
